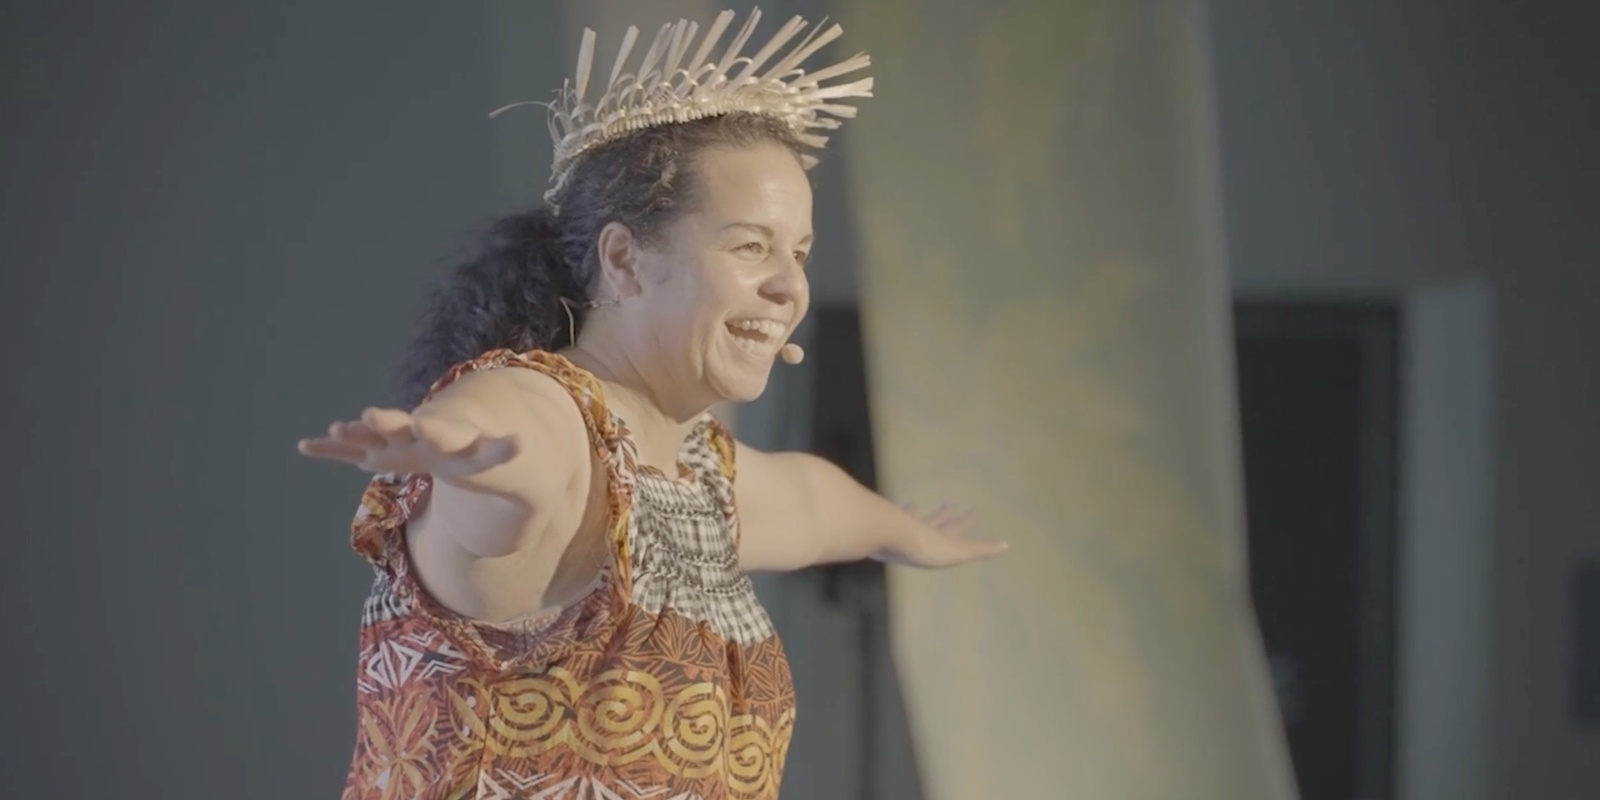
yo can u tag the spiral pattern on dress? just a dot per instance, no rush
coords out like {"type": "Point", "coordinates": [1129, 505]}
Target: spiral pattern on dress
{"type": "Point", "coordinates": [749, 750]}
{"type": "Point", "coordinates": [618, 714]}
{"type": "Point", "coordinates": [530, 714]}
{"type": "Point", "coordinates": [694, 729]}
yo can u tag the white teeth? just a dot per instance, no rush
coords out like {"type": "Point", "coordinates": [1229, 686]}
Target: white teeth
{"type": "Point", "coordinates": [770, 333]}
{"type": "Point", "coordinates": [765, 349]}
{"type": "Point", "coordinates": [766, 327]}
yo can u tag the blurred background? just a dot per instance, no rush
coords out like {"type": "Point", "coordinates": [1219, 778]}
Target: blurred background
{"type": "Point", "coordinates": [218, 221]}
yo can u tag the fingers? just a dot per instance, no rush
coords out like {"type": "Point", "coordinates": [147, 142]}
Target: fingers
{"type": "Point", "coordinates": [356, 433]}
{"type": "Point", "coordinates": [958, 523]}
{"type": "Point", "coordinates": [394, 426]}
{"type": "Point", "coordinates": [984, 548]}
{"type": "Point", "coordinates": [468, 444]}
{"type": "Point", "coordinates": [446, 437]}
{"type": "Point", "coordinates": [966, 551]}
{"type": "Point", "coordinates": [465, 444]}
{"type": "Point", "coordinates": [925, 516]}
{"type": "Point", "coordinates": [390, 440]}
{"type": "Point", "coordinates": [355, 442]}
{"type": "Point", "coordinates": [947, 519]}
{"type": "Point", "coordinates": [332, 450]}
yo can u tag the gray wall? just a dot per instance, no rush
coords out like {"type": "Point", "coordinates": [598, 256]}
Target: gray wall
{"type": "Point", "coordinates": [1342, 147]}
{"type": "Point", "coordinates": [1536, 136]}
{"type": "Point", "coordinates": [1441, 154]}
{"type": "Point", "coordinates": [216, 219]}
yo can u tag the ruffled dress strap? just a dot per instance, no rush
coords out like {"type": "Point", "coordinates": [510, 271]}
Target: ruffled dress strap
{"type": "Point", "coordinates": [390, 501]}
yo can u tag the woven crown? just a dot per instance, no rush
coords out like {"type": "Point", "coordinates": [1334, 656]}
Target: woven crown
{"type": "Point", "coordinates": [672, 85]}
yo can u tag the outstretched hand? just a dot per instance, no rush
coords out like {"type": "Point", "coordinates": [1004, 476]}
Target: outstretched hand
{"type": "Point", "coordinates": [944, 541]}
{"type": "Point", "coordinates": [388, 440]}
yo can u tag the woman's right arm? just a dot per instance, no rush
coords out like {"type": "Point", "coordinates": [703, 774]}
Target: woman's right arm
{"type": "Point", "coordinates": [504, 447]}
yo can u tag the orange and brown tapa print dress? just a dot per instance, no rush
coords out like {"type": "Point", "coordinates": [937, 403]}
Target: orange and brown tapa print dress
{"type": "Point", "coordinates": [665, 681]}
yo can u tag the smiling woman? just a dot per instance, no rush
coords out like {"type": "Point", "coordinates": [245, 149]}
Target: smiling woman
{"type": "Point", "coordinates": [721, 280]}
{"type": "Point", "coordinates": [558, 528]}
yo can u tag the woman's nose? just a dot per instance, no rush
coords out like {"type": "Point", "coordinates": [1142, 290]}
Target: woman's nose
{"type": "Point", "coordinates": [788, 283]}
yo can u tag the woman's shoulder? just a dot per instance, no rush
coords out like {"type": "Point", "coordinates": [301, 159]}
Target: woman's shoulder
{"type": "Point", "coordinates": [506, 389]}
{"type": "Point", "coordinates": [533, 371]}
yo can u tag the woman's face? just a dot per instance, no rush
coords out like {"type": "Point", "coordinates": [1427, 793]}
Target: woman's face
{"type": "Point", "coordinates": [725, 286]}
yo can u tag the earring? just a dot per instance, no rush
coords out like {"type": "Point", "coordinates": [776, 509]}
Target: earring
{"type": "Point", "coordinates": [572, 324]}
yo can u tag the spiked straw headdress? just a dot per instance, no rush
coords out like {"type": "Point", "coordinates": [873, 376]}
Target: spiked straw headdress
{"type": "Point", "coordinates": [673, 85]}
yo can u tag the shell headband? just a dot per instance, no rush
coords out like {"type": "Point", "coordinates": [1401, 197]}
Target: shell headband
{"type": "Point", "coordinates": [673, 85]}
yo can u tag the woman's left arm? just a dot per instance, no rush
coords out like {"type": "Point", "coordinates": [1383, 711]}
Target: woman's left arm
{"type": "Point", "coordinates": [797, 510]}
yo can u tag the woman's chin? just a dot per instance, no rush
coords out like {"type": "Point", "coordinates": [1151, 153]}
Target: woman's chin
{"type": "Point", "coordinates": [739, 383]}
{"type": "Point", "coordinates": [737, 375]}
{"type": "Point", "coordinates": [740, 391]}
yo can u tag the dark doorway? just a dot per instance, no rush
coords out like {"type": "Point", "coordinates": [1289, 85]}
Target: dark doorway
{"type": "Point", "coordinates": [1318, 403]}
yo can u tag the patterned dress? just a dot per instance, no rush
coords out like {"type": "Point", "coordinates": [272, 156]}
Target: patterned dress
{"type": "Point", "coordinates": [665, 681]}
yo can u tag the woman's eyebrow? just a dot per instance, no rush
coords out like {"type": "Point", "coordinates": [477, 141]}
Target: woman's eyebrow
{"type": "Point", "coordinates": [763, 230]}
{"type": "Point", "coordinates": [754, 226]}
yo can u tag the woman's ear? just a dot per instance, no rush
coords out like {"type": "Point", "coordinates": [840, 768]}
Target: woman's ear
{"type": "Point", "coordinates": [618, 250]}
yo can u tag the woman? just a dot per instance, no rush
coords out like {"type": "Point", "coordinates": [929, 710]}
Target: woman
{"type": "Point", "coordinates": [560, 534]}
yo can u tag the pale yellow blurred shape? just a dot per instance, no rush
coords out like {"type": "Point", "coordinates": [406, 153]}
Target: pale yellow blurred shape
{"type": "Point", "coordinates": [1109, 654]}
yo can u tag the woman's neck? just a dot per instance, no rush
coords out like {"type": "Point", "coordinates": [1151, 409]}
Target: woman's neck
{"type": "Point", "coordinates": [658, 429]}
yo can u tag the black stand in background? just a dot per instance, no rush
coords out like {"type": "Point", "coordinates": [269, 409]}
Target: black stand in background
{"type": "Point", "coordinates": [842, 433]}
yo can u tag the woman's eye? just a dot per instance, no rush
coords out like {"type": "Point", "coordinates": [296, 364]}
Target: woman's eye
{"type": "Point", "coordinates": [801, 257]}
{"type": "Point", "coordinates": [754, 248]}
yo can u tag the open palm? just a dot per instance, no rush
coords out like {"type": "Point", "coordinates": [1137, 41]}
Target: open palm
{"type": "Point", "coordinates": [389, 440]}
{"type": "Point", "coordinates": [944, 542]}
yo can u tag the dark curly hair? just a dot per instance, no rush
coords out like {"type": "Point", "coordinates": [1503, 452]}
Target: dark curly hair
{"type": "Point", "coordinates": [508, 293]}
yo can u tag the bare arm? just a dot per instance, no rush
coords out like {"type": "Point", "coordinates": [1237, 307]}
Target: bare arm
{"type": "Point", "coordinates": [504, 448]}
{"type": "Point", "coordinates": [497, 511]}
{"type": "Point", "coordinates": [797, 510]}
